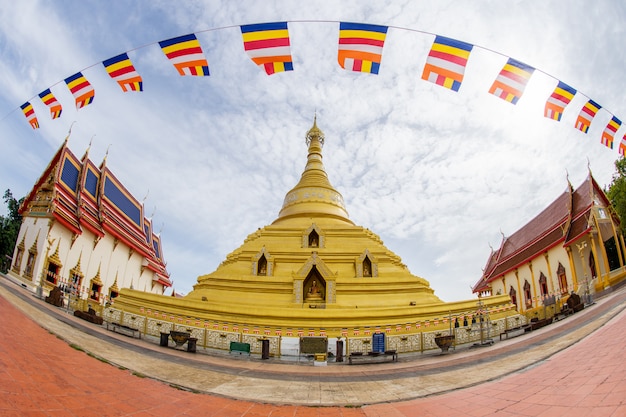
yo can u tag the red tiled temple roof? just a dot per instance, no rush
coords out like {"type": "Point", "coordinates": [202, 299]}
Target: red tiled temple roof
{"type": "Point", "coordinates": [561, 223]}
{"type": "Point", "coordinates": [81, 202]}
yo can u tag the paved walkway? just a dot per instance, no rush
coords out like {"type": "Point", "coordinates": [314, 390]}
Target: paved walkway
{"type": "Point", "coordinates": [574, 367]}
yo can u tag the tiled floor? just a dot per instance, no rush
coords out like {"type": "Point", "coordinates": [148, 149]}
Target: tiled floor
{"type": "Point", "coordinates": [587, 379]}
{"type": "Point", "coordinates": [53, 378]}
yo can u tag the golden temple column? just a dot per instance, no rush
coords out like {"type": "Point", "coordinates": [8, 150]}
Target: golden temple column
{"type": "Point", "coordinates": [617, 244]}
{"type": "Point", "coordinates": [519, 293]}
{"type": "Point", "coordinates": [581, 249]}
{"type": "Point", "coordinates": [545, 255]}
{"type": "Point", "coordinates": [568, 249]}
{"type": "Point", "coordinates": [600, 284]}
{"type": "Point", "coordinates": [532, 281]}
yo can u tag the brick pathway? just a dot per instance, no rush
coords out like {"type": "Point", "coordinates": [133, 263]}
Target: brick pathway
{"type": "Point", "coordinates": [52, 378]}
{"type": "Point", "coordinates": [587, 379]}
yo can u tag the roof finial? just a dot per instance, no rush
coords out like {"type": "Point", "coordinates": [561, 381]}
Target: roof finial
{"type": "Point", "coordinates": [569, 183]}
{"type": "Point", "coordinates": [69, 132]}
{"type": "Point", "coordinates": [104, 160]}
{"type": "Point", "coordinates": [315, 132]}
{"type": "Point", "coordinates": [86, 155]}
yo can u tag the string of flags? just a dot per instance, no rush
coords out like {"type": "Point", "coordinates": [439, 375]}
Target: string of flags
{"type": "Point", "coordinates": [185, 53]}
{"type": "Point", "coordinates": [268, 45]}
{"type": "Point", "coordinates": [360, 49]}
{"type": "Point", "coordinates": [122, 70]}
{"type": "Point", "coordinates": [361, 46]}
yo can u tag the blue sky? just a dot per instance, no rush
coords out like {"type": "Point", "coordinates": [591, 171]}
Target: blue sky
{"type": "Point", "coordinates": [439, 175]}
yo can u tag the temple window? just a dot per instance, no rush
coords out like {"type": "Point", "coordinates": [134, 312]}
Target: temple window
{"type": "Point", "coordinates": [560, 272]}
{"type": "Point", "coordinates": [76, 281]}
{"type": "Point", "coordinates": [30, 262]}
{"type": "Point", "coordinates": [94, 292]}
{"type": "Point", "coordinates": [367, 267]}
{"type": "Point", "coordinates": [262, 266]}
{"type": "Point", "coordinates": [543, 284]}
{"type": "Point", "coordinates": [18, 260]}
{"type": "Point", "coordinates": [513, 295]}
{"type": "Point", "coordinates": [528, 298]}
{"type": "Point", "coordinates": [314, 239]}
{"type": "Point", "coordinates": [52, 273]}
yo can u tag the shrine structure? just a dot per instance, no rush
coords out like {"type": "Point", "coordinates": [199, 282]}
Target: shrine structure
{"type": "Point", "coordinates": [313, 273]}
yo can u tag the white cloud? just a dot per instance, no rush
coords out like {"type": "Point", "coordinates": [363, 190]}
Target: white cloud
{"type": "Point", "coordinates": [437, 174]}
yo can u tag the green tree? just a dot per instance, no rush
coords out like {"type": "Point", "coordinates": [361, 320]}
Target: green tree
{"type": "Point", "coordinates": [9, 228]}
{"type": "Point", "coordinates": [617, 191]}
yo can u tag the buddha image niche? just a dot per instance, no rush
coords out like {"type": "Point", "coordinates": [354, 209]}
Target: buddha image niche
{"type": "Point", "coordinates": [315, 291]}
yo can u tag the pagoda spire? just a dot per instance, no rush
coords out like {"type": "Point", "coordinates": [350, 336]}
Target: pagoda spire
{"type": "Point", "coordinates": [314, 133]}
{"type": "Point", "coordinates": [314, 195]}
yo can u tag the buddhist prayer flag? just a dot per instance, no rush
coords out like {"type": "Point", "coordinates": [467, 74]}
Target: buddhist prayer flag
{"type": "Point", "coordinates": [186, 55]}
{"type": "Point", "coordinates": [622, 146]}
{"type": "Point", "coordinates": [556, 103]}
{"type": "Point", "coordinates": [82, 91]}
{"type": "Point", "coordinates": [122, 70]}
{"type": "Point", "coordinates": [49, 100]}
{"type": "Point", "coordinates": [512, 80]}
{"type": "Point", "coordinates": [609, 132]}
{"type": "Point", "coordinates": [586, 115]}
{"type": "Point", "coordinates": [361, 46]}
{"type": "Point", "coordinates": [268, 46]}
{"type": "Point", "coordinates": [29, 112]}
{"type": "Point", "coordinates": [446, 62]}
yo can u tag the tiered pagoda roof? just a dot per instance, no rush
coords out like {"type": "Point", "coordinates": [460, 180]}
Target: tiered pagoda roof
{"type": "Point", "coordinates": [81, 196]}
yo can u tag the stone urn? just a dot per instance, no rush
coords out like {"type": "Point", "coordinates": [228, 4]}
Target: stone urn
{"type": "Point", "coordinates": [444, 342]}
{"type": "Point", "coordinates": [180, 338]}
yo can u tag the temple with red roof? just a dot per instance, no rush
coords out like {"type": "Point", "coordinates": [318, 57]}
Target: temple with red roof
{"type": "Point", "coordinates": [572, 246]}
{"type": "Point", "coordinates": [83, 232]}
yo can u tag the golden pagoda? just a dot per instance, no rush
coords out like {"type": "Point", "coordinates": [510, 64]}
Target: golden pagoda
{"type": "Point", "coordinates": [311, 272]}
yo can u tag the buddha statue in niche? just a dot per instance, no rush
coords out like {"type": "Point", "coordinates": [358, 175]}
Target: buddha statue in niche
{"type": "Point", "coordinates": [315, 292]}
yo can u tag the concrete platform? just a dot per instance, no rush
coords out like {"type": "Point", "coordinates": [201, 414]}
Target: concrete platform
{"type": "Point", "coordinates": [573, 367]}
